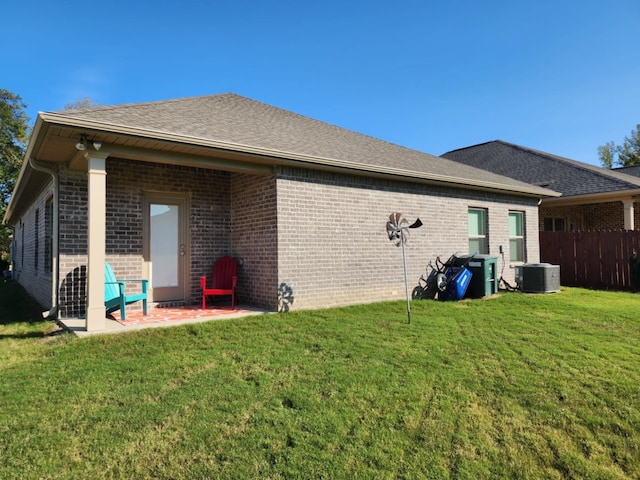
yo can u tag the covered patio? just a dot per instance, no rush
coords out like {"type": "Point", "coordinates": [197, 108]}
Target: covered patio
{"type": "Point", "coordinates": [158, 317]}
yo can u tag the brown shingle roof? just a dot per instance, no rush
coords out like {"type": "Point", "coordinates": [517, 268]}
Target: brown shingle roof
{"type": "Point", "coordinates": [240, 122]}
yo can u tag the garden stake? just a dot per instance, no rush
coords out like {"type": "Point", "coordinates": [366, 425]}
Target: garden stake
{"type": "Point", "coordinates": [397, 229]}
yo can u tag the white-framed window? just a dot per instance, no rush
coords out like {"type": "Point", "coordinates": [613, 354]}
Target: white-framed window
{"type": "Point", "coordinates": [516, 237]}
{"type": "Point", "coordinates": [478, 231]}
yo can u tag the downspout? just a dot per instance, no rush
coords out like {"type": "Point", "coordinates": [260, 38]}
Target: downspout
{"type": "Point", "coordinates": [53, 313]}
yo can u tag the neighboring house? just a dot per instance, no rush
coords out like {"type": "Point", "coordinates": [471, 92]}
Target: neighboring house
{"type": "Point", "coordinates": [160, 190]}
{"type": "Point", "coordinates": [633, 170]}
{"type": "Point", "coordinates": [593, 198]}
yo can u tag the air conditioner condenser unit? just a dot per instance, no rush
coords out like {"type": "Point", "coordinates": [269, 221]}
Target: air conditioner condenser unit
{"type": "Point", "coordinates": [540, 278]}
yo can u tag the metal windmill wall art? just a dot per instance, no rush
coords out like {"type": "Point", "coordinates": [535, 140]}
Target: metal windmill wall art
{"type": "Point", "coordinates": [398, 231]}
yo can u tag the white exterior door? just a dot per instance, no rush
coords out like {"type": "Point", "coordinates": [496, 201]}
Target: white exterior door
{"type": "Point", "coordinates": [166, 248]}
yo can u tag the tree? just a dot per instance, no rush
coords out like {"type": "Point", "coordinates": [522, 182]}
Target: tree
{"type": "Point", "coordinates": [14, 133]}
{"type": "Point", "coordinates": [86, 102]}
{"type": "Point", "coordinates": [625, 155]}
{"type": "Point", "coordinates": [607, 154]}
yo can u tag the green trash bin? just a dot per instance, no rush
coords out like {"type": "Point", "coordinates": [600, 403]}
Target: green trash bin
{"type": "Point", "coordinates": [484, 280]}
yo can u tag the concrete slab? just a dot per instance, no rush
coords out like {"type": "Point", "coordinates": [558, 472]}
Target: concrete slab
{"type": "Point", "coordinates": [158, 318]}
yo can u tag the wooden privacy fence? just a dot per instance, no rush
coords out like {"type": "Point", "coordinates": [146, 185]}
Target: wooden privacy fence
{"type": "Point", "coordinates": [592, 259]}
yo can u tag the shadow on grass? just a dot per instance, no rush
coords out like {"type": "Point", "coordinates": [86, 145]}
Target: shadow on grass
{"type": "Point", "coordinates": [16, 306]}
{"type": "Point", "coordinates": [23, 335]}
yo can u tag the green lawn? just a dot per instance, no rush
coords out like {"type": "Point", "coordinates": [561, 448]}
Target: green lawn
{"type": "Point", "coordinates": [519, 386]}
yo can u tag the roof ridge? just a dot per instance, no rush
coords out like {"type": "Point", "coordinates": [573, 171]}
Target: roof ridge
{"type": "Point", "coordinates": [122, 106]}
{"type": "Point", "coordinates": [471, 146]}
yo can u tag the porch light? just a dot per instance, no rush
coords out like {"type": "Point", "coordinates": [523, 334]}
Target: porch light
{"type": "Point", "coordinates": [82, 144]}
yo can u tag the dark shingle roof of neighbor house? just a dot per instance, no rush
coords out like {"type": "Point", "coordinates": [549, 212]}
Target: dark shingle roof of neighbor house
{"type": "Point", "coordinates": [235, 122]}
{"type": "Point", "coordinates": [633, 170]}
{"type": "Point", "coordinates": [569, 177]}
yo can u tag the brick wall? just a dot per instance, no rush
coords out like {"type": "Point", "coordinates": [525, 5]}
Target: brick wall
{"type": "Point", "coordinates": [72, 292]}
{"type": "Point", "coordinates": [30, 266]}
{"type": "Point", "coordinates": [595, 216]}
{"type": "Point", "coordinates": [333, 245]}
{"type": "Point", "coordinates": [254, 238]}
{"type": "Point", "coordinates": [604, 216]}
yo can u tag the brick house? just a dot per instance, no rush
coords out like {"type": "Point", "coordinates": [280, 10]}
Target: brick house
{"type": "Point", "coordinates": [302, 204]}
{"type": "Point", "coordinates": [593, 198]}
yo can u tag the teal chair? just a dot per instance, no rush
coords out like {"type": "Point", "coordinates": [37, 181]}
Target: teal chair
{"type": "Point", "coordinates": [114, 294]}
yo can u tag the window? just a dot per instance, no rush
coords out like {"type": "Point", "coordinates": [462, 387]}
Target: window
{"type": "Point", "coordinates": [575, 224]}
{"type": "Point", "coordinates": [21, 245]}
{"type": "Point", "coordinates": [553, 224]}
{"type": "Point", "coordinates": [478, 231]}
{"type": "Point", "coordinates": [48, 235]}
{"type": "Point", "coordinates": [516, 236]}
{"type": "Point", "coordinates": [22, 229]}
{"type": "Point", "coordinates": [36, 228]}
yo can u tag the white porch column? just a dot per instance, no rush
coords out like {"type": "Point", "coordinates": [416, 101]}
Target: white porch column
{"type": "Point", "coordinates": [96, 242]}
{"type": "Point", "coordinates": [628, 214]}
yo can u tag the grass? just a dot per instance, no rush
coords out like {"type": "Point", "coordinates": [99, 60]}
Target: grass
{"type": "Point", "coordinates": [519, 386]}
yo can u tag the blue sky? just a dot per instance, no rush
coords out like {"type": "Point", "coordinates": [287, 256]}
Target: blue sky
{"type": "Point", "coordinates": [562, 76]}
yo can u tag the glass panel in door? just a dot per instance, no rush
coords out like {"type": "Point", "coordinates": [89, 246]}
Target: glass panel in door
{"type": "Point", "coordinates": [166, 251]}
{"type": "Point", "coordinates": [164, 245]}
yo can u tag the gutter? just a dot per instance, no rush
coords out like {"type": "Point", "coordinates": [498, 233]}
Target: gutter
{"type": "Point", "coordinates": [35, 133]}
{"type": "Point", "coordinates": [602, 197]}
{"type": "Point", "coordinates": [53, 313]}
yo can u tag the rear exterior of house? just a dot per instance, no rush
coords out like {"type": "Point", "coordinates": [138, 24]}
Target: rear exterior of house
{"type": "Point", "coordinates": [307, 233]}
{"type": "Point", "coordinates": [333, 248]}
{"type": "Point", "coordinates": [322, 238]}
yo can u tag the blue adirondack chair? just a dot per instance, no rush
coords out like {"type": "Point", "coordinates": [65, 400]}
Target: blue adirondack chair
{"type": "Point", "coordinates": [114, 293]}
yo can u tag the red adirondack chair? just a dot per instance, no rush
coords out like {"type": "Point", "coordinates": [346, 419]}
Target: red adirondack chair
{"type": "Point", "coordinates": [224, 279]}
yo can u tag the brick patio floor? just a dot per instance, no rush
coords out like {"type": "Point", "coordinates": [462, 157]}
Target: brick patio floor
{"type": "Point", "coordinates": [160, 317]}
{"type": "Point", "coordinates": [174, 314]}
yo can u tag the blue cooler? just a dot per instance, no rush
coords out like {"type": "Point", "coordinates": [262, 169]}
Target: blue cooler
{"type": "Point", "coordinates": [458, 279]}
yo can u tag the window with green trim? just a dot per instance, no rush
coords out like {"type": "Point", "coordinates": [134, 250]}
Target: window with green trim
{"type": "Point", "coordinates": [516, 237]}
{"type": "Point", "coordinates": [478, 231]}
